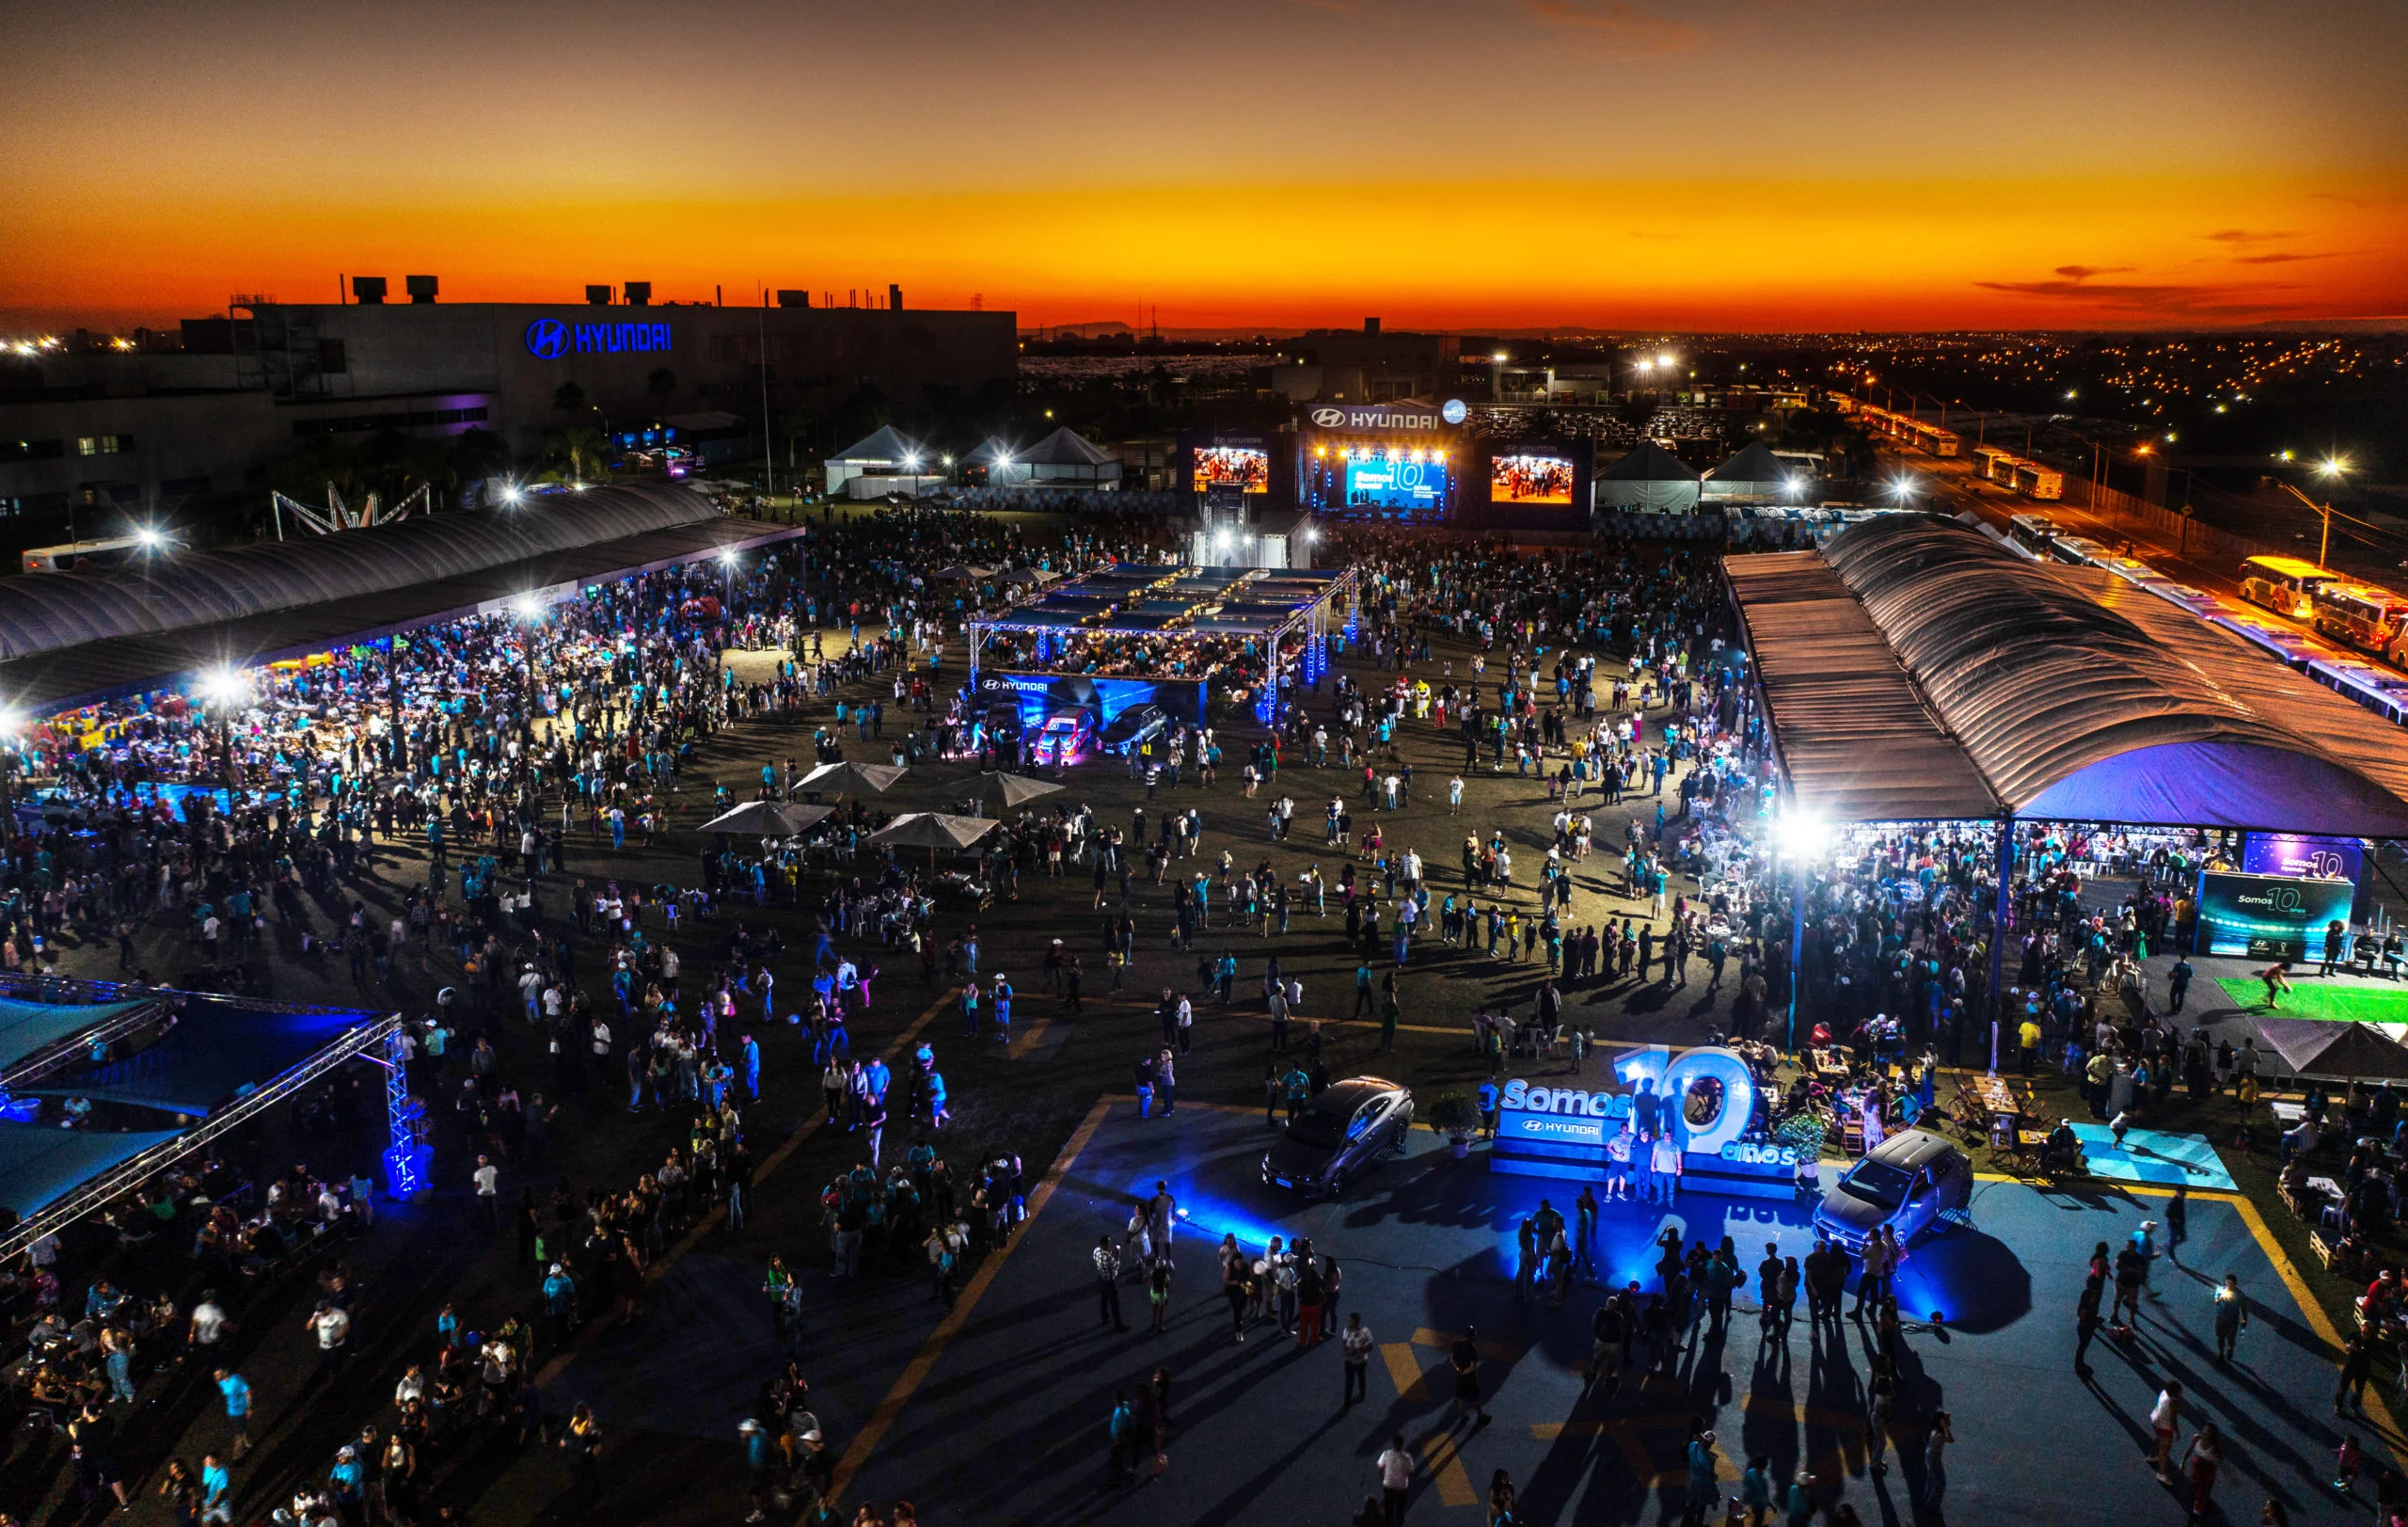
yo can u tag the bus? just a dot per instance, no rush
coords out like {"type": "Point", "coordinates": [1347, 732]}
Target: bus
{"type": "Point", "coordinates": [2365, 618]}
{"type": "Point", "coordinates": [90, 556]}
{"type": "Point", "coordinates": [2282, 585]}
{"type": "Point", "coordinates": [2037, 532]}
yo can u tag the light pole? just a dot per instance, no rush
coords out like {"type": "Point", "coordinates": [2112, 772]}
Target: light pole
{"type": "Point", "coordinates": [2332, 469]}
{"type": "Point", "coordinates": [221, 690]}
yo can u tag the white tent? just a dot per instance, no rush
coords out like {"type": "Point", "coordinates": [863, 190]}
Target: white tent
{"type": "Point", "coordinates": [1650, 479]}
{"type": "Point", "coordinates": [881, 463]}
{"type": "Point", "coordinates": [1754, 475]}
{"type": "Point", "coordinates": [1063, 459]}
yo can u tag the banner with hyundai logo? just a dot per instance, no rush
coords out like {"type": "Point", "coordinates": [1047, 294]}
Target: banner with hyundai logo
{"type": "Point", "coordinates": [549, 339]}
{"type": "Point", "coordinates": [1374, 417]}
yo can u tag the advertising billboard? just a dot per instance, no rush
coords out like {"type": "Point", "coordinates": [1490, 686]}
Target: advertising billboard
{"type": "Point", "coordinates": [1381, 478]}
{"type": "Point", "coordinates": [2268, 916]}
{"type": "Point", "coordinates": [1246, 467]}
{"type": "Point", "coordinates": [2299, 854]}
{"type": "Point", "coordinates": [1529, 479]}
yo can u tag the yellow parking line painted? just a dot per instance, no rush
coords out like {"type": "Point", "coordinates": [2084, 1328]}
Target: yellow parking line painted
{"type": "Point", "coordinates": [2317, 1321]}
{"type": "Point", "coordinates": [1416, 1386]}
{"type": "Point", "coordinates": [875, 1430]}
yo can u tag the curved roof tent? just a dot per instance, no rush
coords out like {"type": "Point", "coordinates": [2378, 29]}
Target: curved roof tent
{"type": "Point", "coordinates": [2083, 704]}
{"type": "Point", "coordinates": [169, 593]}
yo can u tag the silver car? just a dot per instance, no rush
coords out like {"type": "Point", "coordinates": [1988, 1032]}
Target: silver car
{"type": "Point", "coordinates": [1906, 1182]}
{"type": "Point", "coordinates": [1338, 1137]}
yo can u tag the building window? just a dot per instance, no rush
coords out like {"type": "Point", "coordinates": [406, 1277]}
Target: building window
{"type": "Point", "coordinates": [103, 445]}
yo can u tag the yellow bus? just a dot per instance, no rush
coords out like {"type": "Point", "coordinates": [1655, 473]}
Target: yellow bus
{"type": "Point", "coordinates": [2370, 619]}
{"type": "Point", "coordinates": [2283, 584]}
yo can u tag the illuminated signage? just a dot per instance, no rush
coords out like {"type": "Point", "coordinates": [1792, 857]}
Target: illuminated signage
{"type": "Point", "coordinates": [2268, 916]}
{"type": "Point", "coordinates": [549, 339]}
{"type": "Point", "coordinates": [1574, 1116]}
{"type": "Point", "coordinates": [1376, 417]}
{"type": "Point", "coordinates": [1453, 411]}
{"type": "Point", "coordinates": [2294, 854]}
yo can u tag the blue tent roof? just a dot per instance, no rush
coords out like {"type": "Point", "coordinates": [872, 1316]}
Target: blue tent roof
{"type": "Point", "coordinates": [27, 1029]}
{"type": "Point", "coordinates": [40, 1166]}
{"type": "Point", "coordinates": [216, 1054]}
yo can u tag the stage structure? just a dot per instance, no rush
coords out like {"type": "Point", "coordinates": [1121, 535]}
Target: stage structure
{"type": "Point", "coordinates": [370, 1037]}
{"type": "Point", "coordinates": [1174, 635]}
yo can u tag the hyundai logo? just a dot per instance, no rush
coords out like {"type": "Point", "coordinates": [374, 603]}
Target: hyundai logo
{"type": "Point", "coordinates": [547, 339]}
{"type": "Point", "coordinates": [1323, 418]}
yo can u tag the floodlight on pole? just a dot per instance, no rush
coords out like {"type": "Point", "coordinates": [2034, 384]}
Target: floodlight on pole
{"type": "Point", "coordinates": [1802, 835]}
{"type": "Point", "coordinates": [526, 607]}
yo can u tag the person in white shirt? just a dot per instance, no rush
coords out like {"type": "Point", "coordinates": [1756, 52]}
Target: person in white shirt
{"type": "Point", "coordinates": [1396, 1477]}
{"type": "Point", "coordinates": [1355, 1343]}
{"type": "Point", "coordinates": [488, 1180]}
{"type": "Point", "coordinates": [208, 1322]}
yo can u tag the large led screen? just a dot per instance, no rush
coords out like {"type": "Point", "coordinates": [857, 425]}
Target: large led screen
{"type": "Point", "coordinates": [1245, 466]}
{"type": "Point", "coordinates": [1530, 480]}
{"type": "Point", "coordinates": [1408, 480]}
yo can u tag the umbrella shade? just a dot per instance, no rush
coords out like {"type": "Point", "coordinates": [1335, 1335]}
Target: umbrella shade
{"type": "Point", "coordinates": [1029, 574]}
{"type": "Point", "coordinates": [934, 830]}
{"type": "Point", "coordinates": [1005, 791]}
{"type": "Point", "coordinates": [963, 573]}
{"type": "Point", "coordinates": [768, 818]}
{"type": "Point", "coordinates": [843, 777]}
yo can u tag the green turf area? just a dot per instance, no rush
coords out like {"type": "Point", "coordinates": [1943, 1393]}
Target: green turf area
{"type": "Point", "coordinates": [2314, 998]}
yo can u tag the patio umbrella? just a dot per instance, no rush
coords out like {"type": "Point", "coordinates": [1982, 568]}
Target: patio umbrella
{"type": "Point", "coordinates": [1002, 792]}
{"type": "Point", "coordinates": [847, 778]}
{"type": "Point", "coordinates": [963, 573]}
{"type": "Point", "coordinates": [934, 831]}
{"type": "Point", "coordinates": [1029, 574]}
{"type": "Point", "coordinates": [768, 818]}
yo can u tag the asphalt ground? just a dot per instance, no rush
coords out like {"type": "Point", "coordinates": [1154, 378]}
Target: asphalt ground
{"type": "Point", "coordinates": [1007, 1422]}
{"type": "Point", "coordinates": [670, 1387]}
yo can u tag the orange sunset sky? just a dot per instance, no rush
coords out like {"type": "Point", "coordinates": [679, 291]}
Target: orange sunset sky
{"type": "Point", "coordinates": [1642, 164]}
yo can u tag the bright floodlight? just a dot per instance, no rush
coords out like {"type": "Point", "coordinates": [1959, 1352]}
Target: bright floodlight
{"type": "Point", "coordinates": [1802, 835]}
{"type": "Point", "coordinates": [1500, 357]}
{"type": "Point", "coordinates": [1646, 365]}
{"type": "Point", "coordinates": [512, 493]}
{"type": "Point", "coordinates": [1664, 359]}
{"type": "Point", "coordinates": [149, 537]}
{"type": "Point", "coordinates": [526, 607]}
{"type": "Point", "coordinates": [1793, 485]}
{"type": "Point", "coordinates": [1225, 540]}
{"type": "Point", "coordinates": [1904, 487]}
{"type": "Point", "coordinates": [729, 556]}
{"type": "Point", "coordinates": [1311, 535]}
{"type": "Point", "coordinates": [2331, 467]}
{"type": "Point", "coordinates": [222, 686]}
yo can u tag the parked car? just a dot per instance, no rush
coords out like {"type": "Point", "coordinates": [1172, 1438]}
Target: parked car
{"type": "Point", "coordinates": [1136, 726]}
{"type": "Point", "coordinates": [1906, 1182]}
{"type": "Point", "coordinates": [1064, 736]}
{"type": "Point", "coordinates": [1339, 1136]}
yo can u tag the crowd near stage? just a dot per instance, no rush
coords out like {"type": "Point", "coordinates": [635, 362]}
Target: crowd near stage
{"type": "Point", "coordinates": [608, 1011]}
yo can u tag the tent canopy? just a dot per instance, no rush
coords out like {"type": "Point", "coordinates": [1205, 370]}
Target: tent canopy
{"type": "Point", "coordinates": [1650, 478]}
{"type": "Point", "coordinates": [843, 777]}
{"type": "Point", "coordinates": [934, 830]}
{"type": "Point", "coordinates": [27, 1029]}
{"type": "Point", "coordinates": [215, 1054]}
{"type": "Point", "coordinates": [1649, 463]}
{"type": "Point", "coordinates": [1753, 472]}
{"type": "Point", "coordinates": [1065, 447]}
{"type": "Point", "coordinates": [176, 589]}
{"type": "Point", "coordinates": [2068, 693]}
{"type": "Point", "coordinates": [2342, 1051]}
{"type": "Point", "coordinates": [39, 1166]}
{"type": "Point", "coordinates": [881, 447]}
{"type": "Point", "coordinates": [768, 818]}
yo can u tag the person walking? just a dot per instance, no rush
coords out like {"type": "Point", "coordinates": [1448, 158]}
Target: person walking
{"type": "Point", "coordinates": [1354, 1343]}
{"type": "Point", "coordinates": [2232, 1316]}
{"type": "Point", "coordinates": [1465, 1362]}
{"type": "Point", "coordinates": [237, 1391]}
{"type": "Point", "coordinates": [1935, 1463]}
{"type": "Point", "coordinates": [2164, 1418]}
{"type": "Point", "coordinates": [1396, 1478]}
{"type": "Point", "coordinates": [1107, 1258]}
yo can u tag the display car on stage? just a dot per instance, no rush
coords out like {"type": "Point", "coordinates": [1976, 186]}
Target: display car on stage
{"type": "Point", "coordinates": [1339, 1136]}
{"type": "Point", "coordinates": [1908, 1182]}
